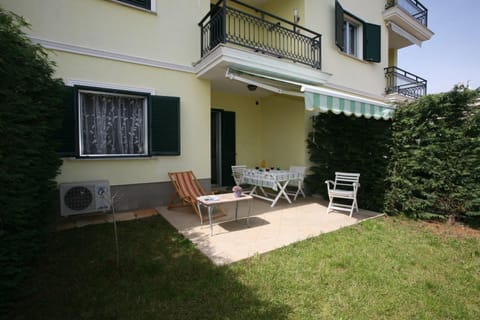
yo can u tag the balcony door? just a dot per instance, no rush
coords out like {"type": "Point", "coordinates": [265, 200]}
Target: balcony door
{"type": "Point", "coordinates": [217, 25]}
{"type": "Point", "coordinates": [223, 148]}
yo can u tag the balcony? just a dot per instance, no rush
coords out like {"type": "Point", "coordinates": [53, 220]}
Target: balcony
{"type": "Point", "coordinates": [413, 7]}
{"type": "Point", "coordinates": [242, 25]}
{"type": "Point", "coordinates": [404, 84]}
{"type": "Point", "coordinates": [408, 23]}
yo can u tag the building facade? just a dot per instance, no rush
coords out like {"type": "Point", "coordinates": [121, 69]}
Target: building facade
{"type": "Point", "coordinates": [157, 86]}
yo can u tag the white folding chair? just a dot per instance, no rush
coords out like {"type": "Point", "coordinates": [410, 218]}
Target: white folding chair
{"type": "Point", "coordinates": [298, 183]}
{"type": "Point", "coordinates": [345, 186]}
{"type": "Point", "coordinates": [237, 173]}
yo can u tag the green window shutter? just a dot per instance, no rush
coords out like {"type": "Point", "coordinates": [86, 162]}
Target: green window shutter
{"type": "Point", "coordinates": [371, 42]}
{"type": "Point", "coordinates": [165, 126]}
{"type": "Point", "coordinates": [339, 20]}
{"type": "Point", "coordinates": [68, 132]}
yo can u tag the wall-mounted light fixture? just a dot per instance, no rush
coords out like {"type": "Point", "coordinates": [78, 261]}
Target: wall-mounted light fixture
{"type": "Point", "coordinates": [296, 18]}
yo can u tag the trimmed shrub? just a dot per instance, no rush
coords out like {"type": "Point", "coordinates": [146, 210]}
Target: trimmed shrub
{"type": "Point", "coordinates": [350, 144]}
{"type": "Point", "coordinates": [31, 114]}
{"type": "Point", "coordinates": [435, 168]}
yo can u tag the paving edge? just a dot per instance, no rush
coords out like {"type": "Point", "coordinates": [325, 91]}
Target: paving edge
{"type": "Point", "coordinates": [82, 221]}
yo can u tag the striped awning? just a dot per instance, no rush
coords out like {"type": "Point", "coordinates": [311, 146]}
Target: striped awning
{"type": "Point", "coordinates": [348, 105]}
{"type": "Point", "coordinates": [317, 97]}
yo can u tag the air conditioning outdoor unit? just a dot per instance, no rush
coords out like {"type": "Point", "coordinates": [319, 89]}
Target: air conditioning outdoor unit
{"type": "Point", "coordinates": [84, 197]}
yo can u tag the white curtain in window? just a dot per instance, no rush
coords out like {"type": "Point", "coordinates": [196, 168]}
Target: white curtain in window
{"type": "Point", "coordinates": [112, 125]}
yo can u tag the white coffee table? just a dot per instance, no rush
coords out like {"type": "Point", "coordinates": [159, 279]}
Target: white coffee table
{"type": "Point", "coordinates": [211, 201]}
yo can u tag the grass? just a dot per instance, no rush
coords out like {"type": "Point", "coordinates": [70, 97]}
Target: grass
{"type": "Point", "coordinates": [382, 269]}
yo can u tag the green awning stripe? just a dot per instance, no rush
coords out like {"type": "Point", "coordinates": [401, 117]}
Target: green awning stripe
{"type": "Point", "coordinates": [325, 103]}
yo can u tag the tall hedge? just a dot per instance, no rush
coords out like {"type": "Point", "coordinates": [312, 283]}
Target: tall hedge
{"type": "Point", "coordinates": [30, 115]}
{"type": "Point", "coordinates": [435, 168]}
{"type": "Point", "coordinates": [350, 144]}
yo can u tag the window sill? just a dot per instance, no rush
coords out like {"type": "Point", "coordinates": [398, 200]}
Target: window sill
{"type": "Point", "coordinates": [353, 57]}
{"type": "Point", "coordinates": [151, 11]}
{"type": "Point", "coordinates": [152, 157]}
{"type": "Point", "coordinates": [108, 158]}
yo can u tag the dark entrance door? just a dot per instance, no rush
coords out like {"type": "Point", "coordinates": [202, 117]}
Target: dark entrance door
{"type": "Point", "coordinates": [223, 148]}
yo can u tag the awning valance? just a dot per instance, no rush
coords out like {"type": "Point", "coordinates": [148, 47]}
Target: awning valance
{"type": "Point", "coordinates": [346, 104]}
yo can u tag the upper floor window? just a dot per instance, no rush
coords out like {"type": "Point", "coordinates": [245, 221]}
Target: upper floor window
{"type": "Point", "coordinates": [356, 37]}
{"type": "Point", "coordinates": [351, 37]}
{"type": "Point", "coordinates": [145, 4]}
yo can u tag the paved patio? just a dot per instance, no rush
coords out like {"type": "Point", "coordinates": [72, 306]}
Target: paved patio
{"type": "Point", "coordinates": [269, 228]}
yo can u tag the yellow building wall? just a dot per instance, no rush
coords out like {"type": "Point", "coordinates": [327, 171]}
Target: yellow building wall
{"type": "Point", "coordinates": [171, 34]}
{"type": "Point", "coordinates": [273, 130]}
{"type": "Point", "coordinates": [248, 125]}
{"type": "Point", "coordinates": [283, 128]}
{"type": "Point", "coordinates": [393, 57]}
{"type": "Point", "coordinates": [285, 9]}
{"type": "Point", "coordinates": [349, 72]}
{"type": "Point", "coordinates": [194, 121]}
{"type": "Point", "coordinates": [168, 35]}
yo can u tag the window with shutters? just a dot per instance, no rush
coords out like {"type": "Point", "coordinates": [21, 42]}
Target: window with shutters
{"type": "Point", "coordinates": [100, 122]}
{"type": "Point", "coordinates": [352, 31]}
{"type": "Point", "coordinates": [356, 37]}
{"type": "Point", "coordinates": [112, 124]}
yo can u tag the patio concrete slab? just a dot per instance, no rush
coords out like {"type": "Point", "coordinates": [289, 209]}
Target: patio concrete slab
{"type": "Point", "coordinates": [268, 229]}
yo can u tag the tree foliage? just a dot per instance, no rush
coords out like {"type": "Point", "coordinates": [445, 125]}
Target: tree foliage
{"type": "Point", "coordinates": [31, 113]}
{"type": "Point", "coordinates": [350, 144]}
{"type": "Point", "coordinates": [435, 168]}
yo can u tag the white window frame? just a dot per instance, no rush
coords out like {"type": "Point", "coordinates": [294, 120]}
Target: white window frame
{"type": "Point", "coordinates": [146, 142]}
{"type": "Point", "coordinates": [357, 38]}
{"type": "Point", "coordinates": [153, 5]}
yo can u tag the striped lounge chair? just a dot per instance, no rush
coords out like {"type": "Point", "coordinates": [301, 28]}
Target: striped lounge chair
{"type": "Point", "coordinates": [187, 189]}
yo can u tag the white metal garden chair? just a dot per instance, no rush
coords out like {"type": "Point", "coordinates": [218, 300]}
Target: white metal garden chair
{"type": "Point", "coordinates": [237, 173]}
{"type": "Point", "coordinates": [298, 183]}
{"type": "Point", "coordinates": [345, 186]}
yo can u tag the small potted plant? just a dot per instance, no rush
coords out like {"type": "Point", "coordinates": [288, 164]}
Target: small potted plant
{"type": "Point", "coordinates": [237, 191]}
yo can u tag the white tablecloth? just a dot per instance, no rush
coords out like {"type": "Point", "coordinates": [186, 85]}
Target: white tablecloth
{"type": "Point", "coordinates": [269, 179]}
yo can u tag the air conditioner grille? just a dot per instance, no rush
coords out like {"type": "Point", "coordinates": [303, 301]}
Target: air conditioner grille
{"type": "Point", "coordinates": [78, 198]}
{"type": "Point", "coordinates": [84, 196]}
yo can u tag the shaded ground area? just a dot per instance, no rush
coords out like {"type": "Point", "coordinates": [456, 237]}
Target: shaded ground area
{"type": "Point", "coordinates": [469, 228]}
{"type": "Point", "coordinates": [384, 268]}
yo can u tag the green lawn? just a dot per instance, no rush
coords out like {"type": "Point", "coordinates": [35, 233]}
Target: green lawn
{"type": "Point", "coordinates": [382, 269]}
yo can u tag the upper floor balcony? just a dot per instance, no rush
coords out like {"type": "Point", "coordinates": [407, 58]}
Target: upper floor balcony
{"type": "Point", "coordinates": [236, 23]}
{"type": "Point", "coordinates": [402, 84]}
{"type": "Point", "coordinates": [413, 7]}
{"type": "Point", "coordinates": [238, 37]}
{"type": "Point", "coordinates": [408, 23]}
